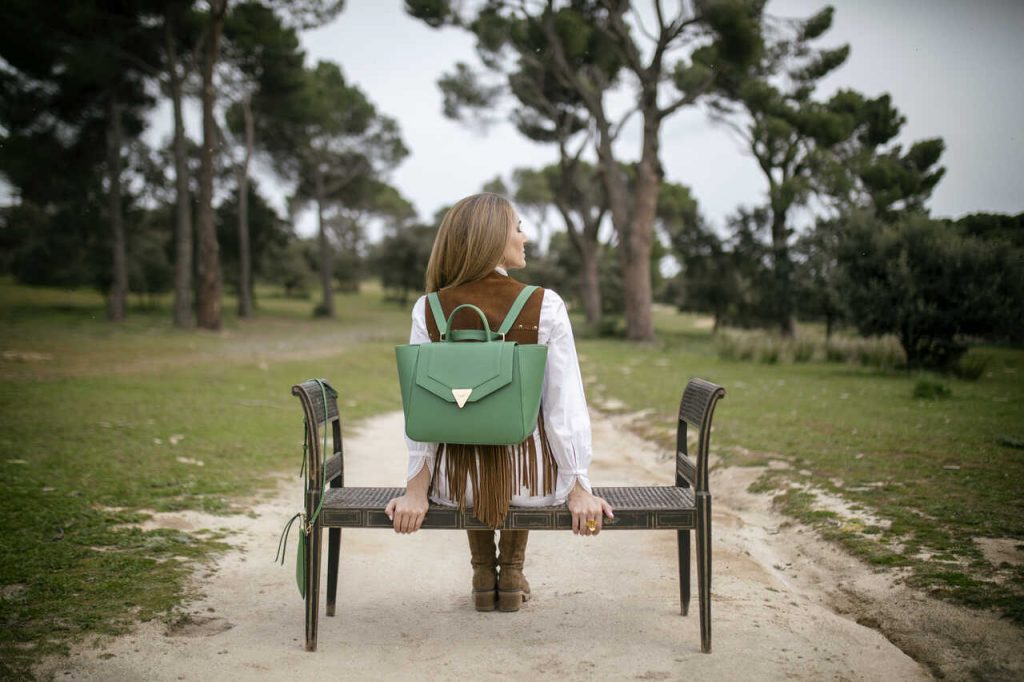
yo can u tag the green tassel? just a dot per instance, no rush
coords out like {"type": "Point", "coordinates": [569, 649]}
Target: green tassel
{"type": "Point", "coordinates": [282, 543]}
{"type": "Point", "coordinates": [300, 565]}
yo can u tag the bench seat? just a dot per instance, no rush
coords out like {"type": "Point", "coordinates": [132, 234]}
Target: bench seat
{"type": "Point", "coordinates": [651, 507]}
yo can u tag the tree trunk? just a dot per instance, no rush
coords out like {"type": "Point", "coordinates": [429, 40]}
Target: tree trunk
{"type": "Point", "coordinates": [635, 248]}
{"type": "Point", "coordinates": [590, 288]}
{"type": "Point", "coordinates": [782, 272]}
{"type": "Point", "coordinates": [209, 291]}
{"type": "Point", "coordinates": [244, 251]}
{"type": "Point", "coordinates": [326, 262]}
{"type": "Point", "coordinates": [633, 219]}
{"type": "Point", "coordinates": [119, 276]}
{"type": "Point", "coordinates": [183, 202]}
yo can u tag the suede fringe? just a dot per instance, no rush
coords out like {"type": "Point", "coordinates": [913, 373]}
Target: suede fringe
{"type": "Point", "coordinates": [495, 473]}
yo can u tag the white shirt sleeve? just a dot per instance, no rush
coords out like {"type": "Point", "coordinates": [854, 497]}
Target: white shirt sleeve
{"type": "Point", "coordinates": [566, 419]}
{"type": "Point", "coordinates": [420, 454]}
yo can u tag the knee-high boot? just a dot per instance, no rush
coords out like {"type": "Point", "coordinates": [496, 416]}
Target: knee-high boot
{"type": "Point", "coordinates": [485, 574]}
{"type": "Point", "coordinates": [513, 589]}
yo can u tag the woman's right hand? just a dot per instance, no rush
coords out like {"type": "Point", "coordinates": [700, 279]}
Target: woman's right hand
{"type": "Point", "coordinates": [587, 509]}
{"type": "Point", "coordinates": [407, 512]}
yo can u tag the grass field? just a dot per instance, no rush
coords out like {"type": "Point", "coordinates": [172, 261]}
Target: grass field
{"type": "Point", "coordinates": [100, 423]}
{"type": "Point", "coordinates": [918, 481]}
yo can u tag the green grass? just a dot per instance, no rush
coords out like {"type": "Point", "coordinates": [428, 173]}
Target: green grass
{"type": "Point", "coordinates": [87, 414]}
{"type": "Point", "coordinates": [88, 410]}
{"type": "Point", "coordinates": [941, 472]}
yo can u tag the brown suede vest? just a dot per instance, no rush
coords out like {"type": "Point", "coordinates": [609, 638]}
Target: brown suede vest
{"type": "Point", "coordinates": [494, 472]}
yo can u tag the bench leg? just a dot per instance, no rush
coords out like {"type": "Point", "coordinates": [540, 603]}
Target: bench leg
{"type": "Point", "coordinates": [312, 586]}
{"type": "Point", "coordinates": [704, 569]}
{"type": "Point", "coordinates": [683, 547]}
{"type": "Point", "coordinates": [333, 556]}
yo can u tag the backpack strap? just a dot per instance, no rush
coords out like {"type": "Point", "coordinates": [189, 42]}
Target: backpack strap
{"type": "Point", "coordinates": [439, 318]}
{"type": "Point", "coordinates": [517, 307]}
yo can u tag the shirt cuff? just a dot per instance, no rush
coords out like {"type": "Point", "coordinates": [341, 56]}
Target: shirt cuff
{"type": "Point", "coordinates": [417, 460]}
{"type": "Point", "coordinates": [567, 480]}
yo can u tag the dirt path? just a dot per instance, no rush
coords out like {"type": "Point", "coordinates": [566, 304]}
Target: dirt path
{"type": "Point", "coordinates": [604, 608]}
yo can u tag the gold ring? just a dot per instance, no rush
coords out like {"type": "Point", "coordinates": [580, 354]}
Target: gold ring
{"type": "Point", "coordinates": [591, 525]}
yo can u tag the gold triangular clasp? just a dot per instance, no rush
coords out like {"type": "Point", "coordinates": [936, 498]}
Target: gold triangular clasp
{"type": "Point", "coordinates": [461, 395]}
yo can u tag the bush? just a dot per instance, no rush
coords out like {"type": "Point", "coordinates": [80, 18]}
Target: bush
{"type": "Point", "coordinates": [611, 327]}
{"type": "Point", "coordinates": [925, 281]}
{"type": "Point", "coordinates": [882, 352]}
{"type": "Point", "coordinates": [769, 352]}
{"type": "Point", "coordinates": [803, 350]}
{"type": "Point", "coordinates": [726, 347]}
{"type": "Point", "coordinates": [834, 351]}
{"type": "Point", "coordinates": [971, 367]}
{"type": "Point", "coordinates": [930, 389]}
{"type": "Point", "coordinates": [735, 345]}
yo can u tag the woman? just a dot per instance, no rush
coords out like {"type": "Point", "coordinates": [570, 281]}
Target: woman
{"type": "Point", "coordinates": [479, 241]}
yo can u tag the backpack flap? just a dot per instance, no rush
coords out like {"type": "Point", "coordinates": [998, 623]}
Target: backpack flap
{"type": "Point", "coordinates": [464, 373]}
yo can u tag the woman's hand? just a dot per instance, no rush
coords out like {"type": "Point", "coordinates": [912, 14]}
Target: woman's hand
{"type": "Point", "coordinates": [587, 507]}
{"type": "Point", "coordinates": [407, 511]}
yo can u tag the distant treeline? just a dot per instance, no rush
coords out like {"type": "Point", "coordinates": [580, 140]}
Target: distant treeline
{"type": "Point", "coordinates": [95, 205]}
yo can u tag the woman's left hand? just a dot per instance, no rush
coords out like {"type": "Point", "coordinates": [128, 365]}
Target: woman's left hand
{"type": "Point", "coordinates": [586, 507]}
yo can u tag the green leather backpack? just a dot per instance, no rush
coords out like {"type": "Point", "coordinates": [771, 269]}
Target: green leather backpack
{"type": "Point", "coordinates": [485, 393]}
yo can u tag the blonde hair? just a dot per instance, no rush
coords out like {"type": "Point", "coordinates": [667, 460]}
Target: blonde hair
{"type": "Point", "coordinates": [470, 241]}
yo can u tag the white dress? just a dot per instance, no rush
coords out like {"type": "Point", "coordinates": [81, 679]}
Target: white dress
{"type": "Point", "coordinates": [566, 420]}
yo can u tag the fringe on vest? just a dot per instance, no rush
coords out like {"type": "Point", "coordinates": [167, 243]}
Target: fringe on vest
{"type": "Point", "coordinates": [495, 473]}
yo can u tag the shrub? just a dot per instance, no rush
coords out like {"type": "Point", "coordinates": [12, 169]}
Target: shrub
{"type": "Point", "coordinates": [882, 352]}
{"type": "Point", "coordinates": [834, 351]}
{"type": "Point", "coordinates": [611, 327]}
{"type": "Point", "coordinates": [726, 346]}
{"type": "Point", "coordinates": [930, 389]}
{"type": "Point", "coordinates": [923, 280]}
{"type": "Point", "coordinates": [971, 367]}
{"type": "Point", "coordinates": [769, 352]}
{"type": "Point", "coordinates": [803, 350]}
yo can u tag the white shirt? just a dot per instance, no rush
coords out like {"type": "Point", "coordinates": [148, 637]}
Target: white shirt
{"type": "Point", "coordinates": [566, 419]}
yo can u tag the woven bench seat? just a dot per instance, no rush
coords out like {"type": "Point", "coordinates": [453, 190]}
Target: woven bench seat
{"type": "Point", "coordinates": [683, 507]}
{"type": "Point", "coordinates": [661, 508]}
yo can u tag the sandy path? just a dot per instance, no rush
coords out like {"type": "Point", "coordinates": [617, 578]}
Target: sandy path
{"type": "Point", "coordinates": [603, 608]}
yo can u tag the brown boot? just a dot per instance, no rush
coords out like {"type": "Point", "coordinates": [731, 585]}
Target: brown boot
{"type": "Point", "coordinates": [485, 570]}
{"type": "Point", "coordinates": [513, 589]}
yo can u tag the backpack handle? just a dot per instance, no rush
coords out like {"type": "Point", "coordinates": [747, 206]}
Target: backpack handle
{"type": "Point", "coordinates": [442, 324]}
{"type": "Point", "coordinates": [488, 334]}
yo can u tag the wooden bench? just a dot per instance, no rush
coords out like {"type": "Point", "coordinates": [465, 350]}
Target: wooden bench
{"type": "Point", "coordinates": [682, 507]}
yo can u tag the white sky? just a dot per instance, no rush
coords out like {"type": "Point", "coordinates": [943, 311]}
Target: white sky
{"type": "Point", "coordinates": [951, 67]}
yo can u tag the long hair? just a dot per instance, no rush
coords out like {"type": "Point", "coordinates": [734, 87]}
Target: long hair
{"type": "Point", "coordinates": [470, 241]}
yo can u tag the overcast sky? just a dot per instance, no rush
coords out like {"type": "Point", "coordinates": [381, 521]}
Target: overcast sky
{"type": "Point", "coordinates": [952, 68]}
